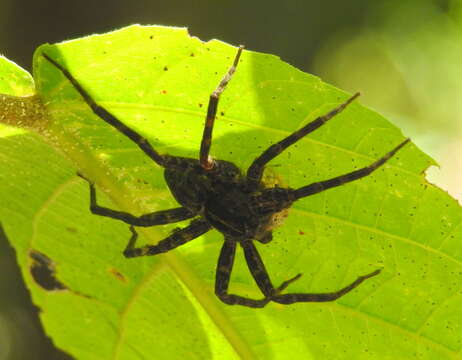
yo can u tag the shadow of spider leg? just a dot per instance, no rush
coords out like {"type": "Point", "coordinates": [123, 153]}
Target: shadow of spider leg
{"type": "Point", "coordinates": [197, 228]}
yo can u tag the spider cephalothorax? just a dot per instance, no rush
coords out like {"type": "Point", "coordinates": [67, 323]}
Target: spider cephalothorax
{"type": "Point", "coordinates": [218, 195]}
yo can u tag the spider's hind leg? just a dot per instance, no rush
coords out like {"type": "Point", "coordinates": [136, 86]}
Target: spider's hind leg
{"type": "Point", "coordinates": [257, 269]}
{"type": "Point", "coordinates": [322, 297]}
{"type": "Point", "coordinates": [260, 274]}
{"type": "Point", "coordinates": [223, 274]}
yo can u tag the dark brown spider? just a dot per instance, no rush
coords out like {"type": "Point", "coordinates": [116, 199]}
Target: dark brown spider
{"type": "Point", "coordinates": [241, 207]}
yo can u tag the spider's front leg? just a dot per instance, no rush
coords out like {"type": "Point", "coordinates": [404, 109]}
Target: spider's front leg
{"type": "Point", "coordinates": [197, 228]}
{"type": "Point", "coordinates": [151, 219]}
{"type": "Point", "coordinates": [102, 113]}
{"type": "Point", "coordinates": [255, 171]}
{"type": "Point", "coordinates": [206, 142]}
{"type": "Point", "coordinates": [320, 186]}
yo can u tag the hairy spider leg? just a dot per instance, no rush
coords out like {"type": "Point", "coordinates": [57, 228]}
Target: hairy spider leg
{"type": "Point", "coordinates": [257, 269]}
{"type": "Point", "coordinates": [255, 170]}
{"type": "Point", "coordinates": [321, 297]}
{"type": "Point", "coordinates": [260, 274]}
{"type": "Point", "coordinates": [223, 275]}
{"type": "Point", "coordinates": [143, 143]}
{"type": "Point", "coordinates": [155, 218]}
{"type": "Point", "coordinates": [276, 199]}
{"type": "Point", "coordinates": [320, 186]}
{"type": "Point", "coordinates": [204, 158]}
{"type": "Point", "coordinates": [197, 228]}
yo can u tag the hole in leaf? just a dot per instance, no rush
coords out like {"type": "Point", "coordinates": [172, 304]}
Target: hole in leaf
{"type": "Point", "coordinates": [43, 271]}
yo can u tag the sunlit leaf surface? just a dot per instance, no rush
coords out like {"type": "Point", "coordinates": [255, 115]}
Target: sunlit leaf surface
{"type": "Point", "coordinates": [157, 80]}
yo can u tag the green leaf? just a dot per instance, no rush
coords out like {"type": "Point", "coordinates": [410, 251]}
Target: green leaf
{"type": "Point", "coordinates": [157, 80]}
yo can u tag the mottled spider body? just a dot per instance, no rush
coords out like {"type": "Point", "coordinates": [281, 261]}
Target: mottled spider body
{"type": "Point", "coordinates": [190, 175]}
{"type": "Point", "coordinates": [216, 194]}
{"type": "Point", "coordinates": [223, 197]}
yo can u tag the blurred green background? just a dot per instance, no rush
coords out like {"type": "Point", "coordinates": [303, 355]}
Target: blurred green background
{"type": "Point", "coordinates": [404, 56]}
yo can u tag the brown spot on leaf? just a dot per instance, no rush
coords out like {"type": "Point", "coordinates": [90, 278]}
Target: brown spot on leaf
{"type": "Point", "coordinates": [117, 274]}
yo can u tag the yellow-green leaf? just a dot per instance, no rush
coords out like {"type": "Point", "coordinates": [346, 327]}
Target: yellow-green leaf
{"type": "Point", "coordinates": [157, 80]}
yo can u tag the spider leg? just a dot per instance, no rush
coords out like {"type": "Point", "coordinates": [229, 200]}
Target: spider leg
{"type": "Point", "coordinates": [151, 219]}
{"type": "Point", "coordinates": [255, 171]}
{"type": "Point", "coordinates": [223, 274]}
{"type": "Point", "coordinates": [197, 228]}
{"type": "Point", "coordinates": [205, 161]}
{"type": "Point", "coordinates": [260, 274]}
{"type": "Point", "coordinates": [143, 144]}
{"type": "Point", "coordinates": [322, 297]}
{"type": "Point", "coordinates": [257, 269]}
{"type": "Point", "coordinates": [320, 186]}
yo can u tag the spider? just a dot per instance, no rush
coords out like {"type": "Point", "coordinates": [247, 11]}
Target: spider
{"type": "Point", "coordinates": [216, 194]}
